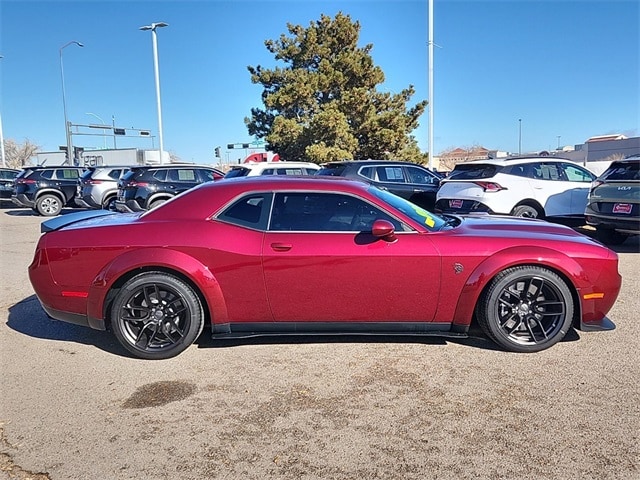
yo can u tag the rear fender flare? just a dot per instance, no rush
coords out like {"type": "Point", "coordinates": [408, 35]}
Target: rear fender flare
{"type": "Point", "coordinates": [164, 259]}
{"type": "Point", "coordinates": [482, 275]}
{"type": "Point", "coordinates": [51, 191]}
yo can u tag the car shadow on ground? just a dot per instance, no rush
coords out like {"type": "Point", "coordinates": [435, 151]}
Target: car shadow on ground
{"type": "Point", "coordinates": [28, 212]}
{"type": "Point", "coordinates": [28, 317]}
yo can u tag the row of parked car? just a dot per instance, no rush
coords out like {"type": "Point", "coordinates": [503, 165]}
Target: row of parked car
{"type": "Point", "coordinates": [536, 187]}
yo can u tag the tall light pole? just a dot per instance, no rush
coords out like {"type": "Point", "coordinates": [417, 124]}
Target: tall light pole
{"type": "Point", "coordinates": [101, 123]}
{"type": "Point", "coordinates": [67, 127]}
{"type": "Point", "coordinates": [154, 36]}
{"type": "Point", "coordinates": [519, 136]}
{"type": "Point", "coordinates": [4, 161]}
{"type": "Point", "coordinates": [431, 84]}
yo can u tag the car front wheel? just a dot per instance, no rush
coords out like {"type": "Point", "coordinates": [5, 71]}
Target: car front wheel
{"type": "Point", "coordinates": [526, 309]}
{"type": "Point", "coordinates": [48, 205]}
{"type": "Point", "coordinates": [156, 316]}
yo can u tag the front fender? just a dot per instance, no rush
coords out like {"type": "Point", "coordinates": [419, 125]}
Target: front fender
{"type": "Point", "coordinates": [162, 258]}
{"type": "Point", "coordinates": [513, 257]}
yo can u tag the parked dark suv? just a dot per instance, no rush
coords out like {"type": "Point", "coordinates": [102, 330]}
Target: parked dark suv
{"type": "Point", "coordinates": [7, 177]}
{"type": "Point", "coordinates": [613, 207]}
{"type": "Point", "coordinates": [408, 180]}
{"type": "Point", "coordinates": [46, 189]}
{"type": "Point", "coordinates": [143, 188]}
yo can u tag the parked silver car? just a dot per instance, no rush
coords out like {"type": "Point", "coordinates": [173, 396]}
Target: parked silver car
{"type": "Point", "coordinates": [98, 186]}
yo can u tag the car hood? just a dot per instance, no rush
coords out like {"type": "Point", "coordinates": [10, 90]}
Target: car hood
{"type": "Point", "coordinates": [502, 226]}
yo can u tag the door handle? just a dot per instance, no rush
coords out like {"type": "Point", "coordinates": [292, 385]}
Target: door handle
{"type": "Point", "coordinates": [281, 247]}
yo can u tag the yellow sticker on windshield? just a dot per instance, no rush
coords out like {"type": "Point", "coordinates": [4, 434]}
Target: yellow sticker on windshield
{"type": "Point", "coordinates": [428, 219]}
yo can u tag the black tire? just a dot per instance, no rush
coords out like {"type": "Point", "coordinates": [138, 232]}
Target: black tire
{"type": "Point", "coordinates": [156, 316]}
{"type": "Point", "coordinates": [611, 237]}
{"type": "Point", "coordinates": [526, 211]}
{"type": "Point", "coordinates": [157, 203]}
{"type": "Point", "coordinates": [110, 204]}
{"type": "Point", "coordinates": [49, 205]}
{"type": "Point", "coordinates": [526, 309]}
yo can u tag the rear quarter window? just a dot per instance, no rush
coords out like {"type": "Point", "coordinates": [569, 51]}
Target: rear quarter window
{"type": "Point", "coordinates": [331, 170]}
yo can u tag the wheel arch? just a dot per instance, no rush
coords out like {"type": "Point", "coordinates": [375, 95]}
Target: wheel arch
{"type": "Point", "coordinates": [530, 202]}
{"type": "Point", "coordinates": [477, 283]}
{"type": "Point", "coordinates": [51, 191]}
{"type": "Point", "coordinates": [159, 196]}
{"type": "Point", "coordinates": [107, 283]}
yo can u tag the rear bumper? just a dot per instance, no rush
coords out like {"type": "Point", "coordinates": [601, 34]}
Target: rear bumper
{"type": "Point", "coordinates": [627, 225]}
{"type": "Point", "coordinates": [23, 201]}
{"type": "Point", "coordinates": [128, 206]}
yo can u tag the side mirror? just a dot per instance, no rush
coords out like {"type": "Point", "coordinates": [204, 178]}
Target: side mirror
{"type": "Point", "coordinates": [384, 229]}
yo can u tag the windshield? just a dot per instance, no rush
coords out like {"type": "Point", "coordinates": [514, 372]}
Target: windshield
{"type": "Point", "coordinates": [424, 217]}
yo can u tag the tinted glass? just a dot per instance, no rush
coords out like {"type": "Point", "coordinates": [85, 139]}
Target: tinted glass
{"type": "Point", "coordinates": [574, 173]}
{"type": "Point", "coordinates": [115, 173]}
{"type": "Point", "coordinates": [474, 172]}
{"type": "Point", "coordinates": [86, 175]}
{"type": "Point", "coordinates": [67, 174]}
{"type": "Point", "coordinates": [332, 170]}
{"type": "Point", "coordinates": [548, 171]}
{"type": "Point", "coordinates": [206, 175]}
{"type": "Point", "coordinates": [390, 174]}
{"type": "Point", "coordinates": [249, 211]}
{"type": "Point", "coordinates": [48, 174]}
{"type": "Point", "coordinates": [368, 172]}
{"type": "Point", "coordinates": [324, 212]}
{"type": "Point", "coordinates": [237, 172]}
{"type": "Point", "coordinates": [628, 171]}
{"type": "Point", "coordinates": [181, 175]}
{"type": "Point", "coordinates": [160, 175]}
{"type": "Point", "coordinates": [420, 176]}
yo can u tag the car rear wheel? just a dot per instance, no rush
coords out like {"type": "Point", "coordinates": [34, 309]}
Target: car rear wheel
{"type": "Point", "coordinates": [156, 316]}
{"type": "Point", "coordinates": [526, 211]}
{"type": "Point", "coordinates": [526, 309]}
{"type": "Point", "coordinates": [157, 203]}
{"type": "Point", "coordinates": [49, 205]}
{"type": "Point", "coordinates": [110, 204]}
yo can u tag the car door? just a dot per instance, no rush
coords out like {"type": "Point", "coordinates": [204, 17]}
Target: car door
{"type": "Point", "coordinates": [551, 189]}
{"type": "Point", "coordinates": [66, 180]}
{"type": "Point", "coordinates": [580, 179]}
{"type": "Point", "coordinates": [321, 263]}
{"type": "Point", "coordinates": [181, 179]}
{"type": "Point", "coordinates": [423, 185]}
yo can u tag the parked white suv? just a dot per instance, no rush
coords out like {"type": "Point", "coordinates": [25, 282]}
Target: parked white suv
{"type": "Point", "coordinates": [535, 187]}
{"type": "Point", "coordinates": [272, 168]}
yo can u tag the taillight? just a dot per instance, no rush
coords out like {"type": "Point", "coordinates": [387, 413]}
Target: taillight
{"type": "Point", "coordinates": [137, 184]}
{"type": "Point", "coordinates": [93, 182]}
{"type": "Point", "coordinates": [25, 181]}
{"type": "Point", "coordinates": [490, 186]}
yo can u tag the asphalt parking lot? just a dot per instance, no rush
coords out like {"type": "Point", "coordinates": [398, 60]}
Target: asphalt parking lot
{"type": "Point", "coordinates": [75, 405]}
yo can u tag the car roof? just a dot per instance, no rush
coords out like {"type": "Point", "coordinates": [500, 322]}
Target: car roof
{"type": "Point", "coordinates": [371, 161]}
{"type": "Point", "coordinates": [283, 164]}
{"type": "Point", "coordinates": [516, 160]}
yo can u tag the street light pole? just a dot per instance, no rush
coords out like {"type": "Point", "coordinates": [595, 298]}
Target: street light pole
{"type": "Point", "coordinates": [101, 123]}
{"type": "Point", "coordinates": [4, 161]}
{"type": "Point", "coordinates": [519, 136]}
{"type": "Point", "coordinates": [153, 28]}
{"type": "Point", "coordinates": [67, 127]}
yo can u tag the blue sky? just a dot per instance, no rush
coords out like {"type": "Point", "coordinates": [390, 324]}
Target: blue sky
{"type": "Point", "coordinates": [565, 68]}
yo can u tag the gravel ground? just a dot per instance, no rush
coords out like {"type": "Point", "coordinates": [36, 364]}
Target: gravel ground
{"type": "Point", "coordinates": [74, 405]}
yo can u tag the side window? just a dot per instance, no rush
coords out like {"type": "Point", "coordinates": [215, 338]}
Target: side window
{"type": "Point", "coordinates": [160, 175]}
{"type": "Point", "coordinates": [368, 172]}
{"type": "Point", "coordinates": [65, 174]}
{"type": "Point", "coordinates": [181, 175]}
{"type": "Point", "coordinates": [577, 174]}
{"type": "Point", "coordinates": [268, 171]}
{"type": "Point", "coordinates": [324, 212]}
{"type": "Point", "coordinates": [419, 176]}
{"type": "Point", "coordinates": [390, 174]}
{"type": "Point", "coordinates": [549, 171]}
{"type": "Point", "coordinates": [48, 174]}
{"type": "Point", "coordinates": [250, 211]}
{"type": "Point", "coordinates": [115, 174]}
{"type": "Point", "coordinates": [206, 175]}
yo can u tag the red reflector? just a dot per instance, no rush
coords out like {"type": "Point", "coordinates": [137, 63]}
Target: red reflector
{"type": "Point", "coordinates": [75, 294]}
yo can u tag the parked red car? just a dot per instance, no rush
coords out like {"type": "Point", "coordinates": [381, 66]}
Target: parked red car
{"type": "Point", "coordinates": [275, 256]}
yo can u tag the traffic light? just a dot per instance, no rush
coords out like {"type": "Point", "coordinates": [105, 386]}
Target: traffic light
{"type": "Point", "coordinates": [217, 152]}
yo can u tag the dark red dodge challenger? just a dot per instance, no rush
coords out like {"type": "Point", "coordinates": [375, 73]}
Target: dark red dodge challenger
{"type": "Point", "coordinates": [277, 256]}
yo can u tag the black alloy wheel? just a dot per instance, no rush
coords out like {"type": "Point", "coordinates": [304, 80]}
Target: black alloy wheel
{"type": "Point", "coordinates": [526, 309]}
{"type": "Point", "coordinates": [156, 316]}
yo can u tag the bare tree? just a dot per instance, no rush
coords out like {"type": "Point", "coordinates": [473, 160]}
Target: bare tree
{"type": "Point", "coordinates": [17, 155]}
